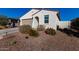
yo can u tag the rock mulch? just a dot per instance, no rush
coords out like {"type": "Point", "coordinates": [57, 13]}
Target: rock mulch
{"type": "Point", "coordinates": [59, 42]}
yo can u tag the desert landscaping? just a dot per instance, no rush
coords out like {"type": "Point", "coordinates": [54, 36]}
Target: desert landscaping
{"type": "Point", "coordinates": [20, 42]}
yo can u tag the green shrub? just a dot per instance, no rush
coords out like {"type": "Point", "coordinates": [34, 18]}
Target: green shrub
{"type": "Point", "coordinates": [33, 33]}
{"type": "Point", "coordinates": [25, 29]}
{"type": "Point", "coordinates": [75, 24]}
{"type": "Point", "coordinates": [3, 20]}
{"type": "Point", "coordinates": [50, 31]}
{"type": "Point", "coordinates": [41, 28]}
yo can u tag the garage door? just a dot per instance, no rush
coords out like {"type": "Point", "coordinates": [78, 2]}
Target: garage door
{"type": "Point", "coordinates": [27, 22]}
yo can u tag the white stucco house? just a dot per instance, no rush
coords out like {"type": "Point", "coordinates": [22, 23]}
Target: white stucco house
{"type": "Point", "coordinates": [45, 17]}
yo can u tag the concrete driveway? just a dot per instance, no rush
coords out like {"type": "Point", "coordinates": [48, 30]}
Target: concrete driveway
{"type": "Point", "coordinates": [8, 31]}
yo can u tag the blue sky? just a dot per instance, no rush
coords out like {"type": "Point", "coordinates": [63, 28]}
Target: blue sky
{"type": "Point", "coordinates": [13, 12]}
{"type": "Point", "coordinates": [65, 13]}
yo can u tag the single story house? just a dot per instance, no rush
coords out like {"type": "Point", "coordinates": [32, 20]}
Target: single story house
{"type": "Point", "coordinates": [45, 17]}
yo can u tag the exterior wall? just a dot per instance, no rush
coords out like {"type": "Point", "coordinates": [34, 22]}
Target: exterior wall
{"type": "Point", "coordinates": [34, 23]}
{"type": "Point", "coordinates": [29, 14]}
{"type": "Point", "coordinates": [53, 19]}
{"type": "Point", "coordinates": [64, 24]}
{"type": "Point", "coordinates": [20, 22]}
{"type": "Point", "coordinates": [26, 22]}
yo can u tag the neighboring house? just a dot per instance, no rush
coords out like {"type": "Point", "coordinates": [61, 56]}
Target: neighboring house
{"type": "Point", "coordinates": [45, 17]}
{"type": "Point", "coordinates": [65, 24]}
{"type": "Point", "coordinates": [13, 22]}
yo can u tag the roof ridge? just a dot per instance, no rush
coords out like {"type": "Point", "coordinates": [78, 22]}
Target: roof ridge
{"type": "Point", "coordinates": [36, 12]}
{"type": "Point", "coordinates": [48, 9]}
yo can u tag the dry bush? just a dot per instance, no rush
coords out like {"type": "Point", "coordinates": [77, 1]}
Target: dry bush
{"type": "Point", "coordinates": [2, 27]}
{"type": "Point", "coordinates": [25, 29]}
{"type": "Point", "coordinates": [50, 31]}
{"type": "Point", "coordinates": [41, 28]}
{"type": "Point", "coordinates": [33, 33]}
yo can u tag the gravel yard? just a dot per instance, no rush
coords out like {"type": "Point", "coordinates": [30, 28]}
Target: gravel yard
{"type": "Point", "coordinates": [59, 42]}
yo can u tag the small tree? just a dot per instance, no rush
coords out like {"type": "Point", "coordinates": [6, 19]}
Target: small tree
{"type": "Point", "coordinates": [75, 24]}
{"type": "Point", "coordinates": [3, 20]}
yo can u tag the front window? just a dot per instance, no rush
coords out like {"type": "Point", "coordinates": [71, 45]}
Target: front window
{"type": "Point", "coordinates": [46, 19]}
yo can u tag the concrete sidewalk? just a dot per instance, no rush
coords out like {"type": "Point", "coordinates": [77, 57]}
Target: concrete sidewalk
{"type": "Point", "coordinates": [8, 31]}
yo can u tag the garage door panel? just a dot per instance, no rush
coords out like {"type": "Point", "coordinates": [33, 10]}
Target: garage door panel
{"type": "Point", "coordinates": [27, 22]}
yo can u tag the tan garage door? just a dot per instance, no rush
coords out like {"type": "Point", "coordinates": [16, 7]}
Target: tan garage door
{"type": "Point", "coordinates": [27, 22]}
